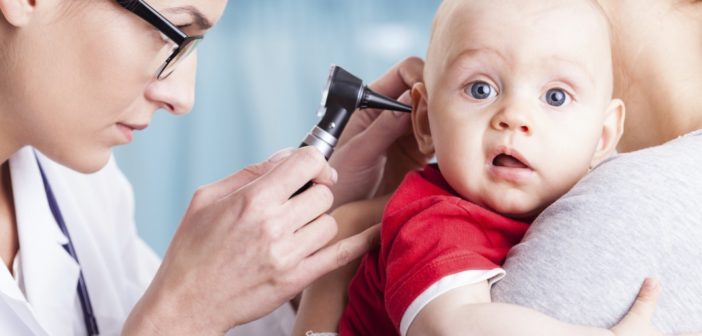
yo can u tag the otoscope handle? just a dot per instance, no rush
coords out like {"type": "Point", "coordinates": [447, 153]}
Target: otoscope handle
{"type": "Point", "coordinates": [307, 185]}
{"type": "Point", "coordinates": [324, 142]}
{"type": "Point", "coordinates": [343, 94]}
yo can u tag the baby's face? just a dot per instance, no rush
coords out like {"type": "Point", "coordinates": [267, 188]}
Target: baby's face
{"type": "Point", "coordinates": [518, 94]}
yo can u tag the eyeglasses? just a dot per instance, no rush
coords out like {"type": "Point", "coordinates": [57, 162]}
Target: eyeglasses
{"type": "Point", "coordinates": [184, 44]}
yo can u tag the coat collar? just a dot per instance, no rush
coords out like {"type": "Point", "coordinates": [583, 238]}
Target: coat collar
{"type": "Point", "coordinates": [50, 273]}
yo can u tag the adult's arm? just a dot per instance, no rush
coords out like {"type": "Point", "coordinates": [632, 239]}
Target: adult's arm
{"type": "Point", "coordinates": [244, 246]}
{"type": "Point", "coordinates": [636, 215]}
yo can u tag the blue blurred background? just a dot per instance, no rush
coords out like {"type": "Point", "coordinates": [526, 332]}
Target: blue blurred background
{"type": "Point", "coordinates": [261, 71]}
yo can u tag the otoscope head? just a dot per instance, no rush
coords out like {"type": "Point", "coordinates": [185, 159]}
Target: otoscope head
{"type": "Point", "coordinates": [375, 100]}
{"type": "Point", "coordinates": [344, 94]}
{"type": "Point", "coordinates": [343, 90]}
{"type": "Point", "coordinates": [347, 91]}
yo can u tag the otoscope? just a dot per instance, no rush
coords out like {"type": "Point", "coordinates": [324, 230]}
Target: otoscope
{"type": "Point", "coordinates": [343, 94]}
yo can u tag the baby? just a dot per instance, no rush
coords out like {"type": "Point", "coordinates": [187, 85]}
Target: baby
{"type": "Point", "coordinates": [517, 106]}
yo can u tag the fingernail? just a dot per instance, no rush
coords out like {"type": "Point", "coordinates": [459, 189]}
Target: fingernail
{"type": "Point", "coordinates": [405, 97]}
{"type": "Point", "coordinates": [651, 283]}
{"type": "Point", "coordinates": [334, 175]}
{"type": "Point", "coordinates": [280, 155]}
{"type": "Point", "coordinates": [399, 115]}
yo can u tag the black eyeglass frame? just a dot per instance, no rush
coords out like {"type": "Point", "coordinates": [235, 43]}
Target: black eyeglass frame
{"type": "Point", "coordinates": [156, 19]}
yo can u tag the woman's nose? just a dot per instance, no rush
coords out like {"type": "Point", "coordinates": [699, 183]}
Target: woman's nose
{"type": "Point", "coordinates": [513, 118]}
{"type": "Point", "coordinates": [175, 93]}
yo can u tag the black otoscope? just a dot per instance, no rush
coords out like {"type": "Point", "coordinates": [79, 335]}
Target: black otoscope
{"type": "Point", "coordinates": [343, 94]}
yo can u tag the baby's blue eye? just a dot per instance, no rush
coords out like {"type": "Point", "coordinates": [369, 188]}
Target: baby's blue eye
{"type": "Point", "coordinates": [556, 97]}
{"type": "Point", "coordinates": [481, 90]}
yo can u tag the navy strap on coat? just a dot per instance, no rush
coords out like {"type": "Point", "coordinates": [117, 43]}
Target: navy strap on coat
{"type": "Point", "coordinates": [88, 316]}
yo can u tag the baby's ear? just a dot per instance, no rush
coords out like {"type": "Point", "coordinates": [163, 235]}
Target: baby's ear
{"type": "Point", "coordinates": [612, 131]}
{"type": "Point", "coordinates": [420, 119]}
{"type": "Point", "coordinates": [17, 12]}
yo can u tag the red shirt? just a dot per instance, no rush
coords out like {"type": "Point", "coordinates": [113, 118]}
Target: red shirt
{"type": "Point", "coordinates": [428, 232]}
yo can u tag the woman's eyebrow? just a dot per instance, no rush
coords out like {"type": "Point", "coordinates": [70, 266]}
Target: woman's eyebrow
{"type": "Point", "coordinates": [200, 20]}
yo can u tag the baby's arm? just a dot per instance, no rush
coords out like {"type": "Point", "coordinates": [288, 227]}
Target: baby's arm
{"type": "Point", "coordinates": [468, 310]}
{"type": "Point", "coordinates": [324, 301]}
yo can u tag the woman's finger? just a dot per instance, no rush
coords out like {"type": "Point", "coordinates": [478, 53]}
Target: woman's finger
{"type": "Point", "coordinates": [337, 255]}
{"type": "Point", "coordinates": [645, 304]}
{"type": "Point", "coordinates": [307, 206]}
{"type": "Point", "coordinates": [382, 133]}
{"type": "Point", "coordinates": [400, 77]}
{"type": "Point", "coordinates": [234, 182]}
{"type": "Point", "coordinates": [312, 237]}
{"type": "Point", "coordinates": [303, 165]}
{"type": "Point", "coordinates": [393, 83]}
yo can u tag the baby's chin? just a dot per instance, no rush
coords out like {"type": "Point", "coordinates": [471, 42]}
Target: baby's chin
{"type": "Point", "coordinates": [519, 208]}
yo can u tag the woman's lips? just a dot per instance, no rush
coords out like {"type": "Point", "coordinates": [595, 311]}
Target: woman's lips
{"type": "Point", "coordinates": [135, 126]}
{"type": "Point", "coordinates": [127, 130]}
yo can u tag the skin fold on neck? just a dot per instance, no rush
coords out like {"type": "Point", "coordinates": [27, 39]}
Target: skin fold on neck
{"type": "Point", "coordinates": [9, 240]}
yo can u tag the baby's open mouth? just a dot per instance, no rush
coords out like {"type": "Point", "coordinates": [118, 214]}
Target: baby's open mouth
{"type": "Point", "coordinates": [508, 161]}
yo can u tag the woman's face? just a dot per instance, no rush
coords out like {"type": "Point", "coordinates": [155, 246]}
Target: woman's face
{"type": "Point", "coordinates": [79, 76]}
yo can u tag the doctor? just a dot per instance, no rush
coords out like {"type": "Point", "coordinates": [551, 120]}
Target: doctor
{"type": "Point", "coordinates": [80, 77]}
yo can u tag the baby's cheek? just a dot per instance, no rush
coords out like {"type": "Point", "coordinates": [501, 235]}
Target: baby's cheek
{"type": "Point", "coordinates": [461, 170]}
{"type": "Point", "coordinates": [564, 178]}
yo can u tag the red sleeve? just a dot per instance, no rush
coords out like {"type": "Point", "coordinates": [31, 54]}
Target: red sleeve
{"type": "Point", "coordinates": [444, 236]}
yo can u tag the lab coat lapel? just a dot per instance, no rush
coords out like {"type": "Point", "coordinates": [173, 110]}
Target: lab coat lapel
{"type": "Point", "coordinates": [16, 316]}
{"type": "Point", "coordinates": [50, 273]}
{"type": "Point", "coordinates": [85, 218]}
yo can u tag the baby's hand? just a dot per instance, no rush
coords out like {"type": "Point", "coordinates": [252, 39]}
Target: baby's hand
{"type": "Point", "coordinates": [637, 321]}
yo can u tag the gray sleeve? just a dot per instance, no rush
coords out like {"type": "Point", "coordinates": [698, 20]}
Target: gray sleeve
{"type": "Point", "coordinates": [636, 215]}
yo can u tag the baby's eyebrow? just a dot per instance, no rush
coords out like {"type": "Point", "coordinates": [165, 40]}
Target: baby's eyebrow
{"type": "Point", "coordinates": [474, 53]}
{"type": "Point", "coordinates": [580, 73]}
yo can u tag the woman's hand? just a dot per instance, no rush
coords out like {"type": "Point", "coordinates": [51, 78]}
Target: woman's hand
{"type": "Point", "coordinates": [637, 321]}
{"type": "Point", "coordinates": [361, 155]}
{"type": "Point", "coordinates": [243, 248]}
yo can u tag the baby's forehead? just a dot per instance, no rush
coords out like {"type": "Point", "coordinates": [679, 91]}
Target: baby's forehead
{"type": "Point", "coordinates": [521, 30]}
{"type": "Point", "coordinates": [459, 19]}
{"type": "Point", "coordinates": [587, 9]}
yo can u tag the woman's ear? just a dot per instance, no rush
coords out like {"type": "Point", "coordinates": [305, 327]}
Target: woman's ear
{"type": "Point", "coordinates": [17, 12]}
{"type": "Point", "coordinates": [612, 131]}
{"type": "Point", "coordinates": [420, 119]}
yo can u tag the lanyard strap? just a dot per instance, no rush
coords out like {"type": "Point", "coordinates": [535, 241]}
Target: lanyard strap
{"type": "Point", "coordinates": [88, 316]}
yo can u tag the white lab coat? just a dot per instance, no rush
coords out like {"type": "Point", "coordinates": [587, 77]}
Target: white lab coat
{"type": "Point", "coordinates": [117, 265]}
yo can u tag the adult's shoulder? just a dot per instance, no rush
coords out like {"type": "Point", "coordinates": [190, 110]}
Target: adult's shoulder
{"type": "Point", "coordinates": [636, 215]}
{"type": "Point", "coordinates": [651, 194]}
{"type": "Point", "coordinates": [673, 162]}
{"type": "Point", "coordinates": [660, 182]}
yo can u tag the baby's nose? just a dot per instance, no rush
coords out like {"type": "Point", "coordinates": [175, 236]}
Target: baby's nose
{"type": "Point", "coordinates": [504, 125]}
{"type": "Point", "coordinates": [512, 120]}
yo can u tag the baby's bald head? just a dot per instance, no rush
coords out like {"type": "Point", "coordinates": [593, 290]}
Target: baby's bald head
{"type": "Point", "coordinates": [470, 24]}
